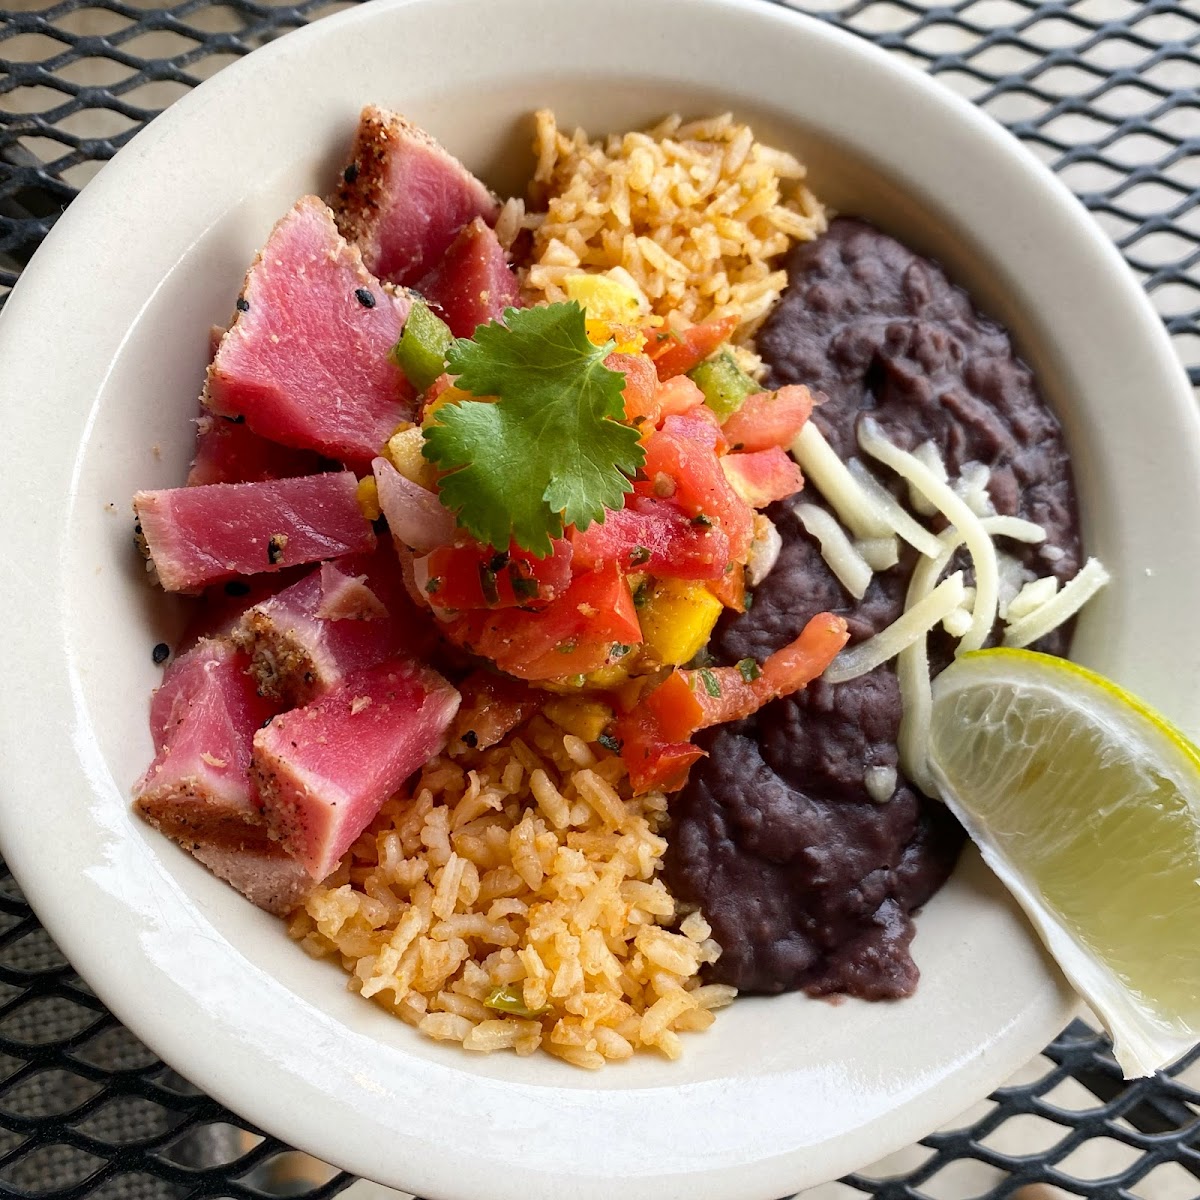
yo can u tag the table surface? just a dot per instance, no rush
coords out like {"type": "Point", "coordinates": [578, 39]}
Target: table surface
{"type": "Point", "coordinates": [1105, 91]}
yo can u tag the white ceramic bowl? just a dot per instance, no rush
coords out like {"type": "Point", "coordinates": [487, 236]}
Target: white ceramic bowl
{"type": "Point", "coordinates": [102, 350]}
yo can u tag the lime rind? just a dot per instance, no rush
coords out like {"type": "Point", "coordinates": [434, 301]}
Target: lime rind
{"type": "Point", "coordinates": [1146, 1034]}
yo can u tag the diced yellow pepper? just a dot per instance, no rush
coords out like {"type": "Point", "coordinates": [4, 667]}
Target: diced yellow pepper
{"type": "Point", "coordinates": [404, 451]}
{"type": "Point", "coordinates": [677, 618]}
{"type": "Point", "coordinates": [586, 719]}
{"type": "Point", "coordinates": [614, 674]}
{"type": "Point", "coordinates": [452, 395]}
{"type": "Point", "coordinates": [368, 498]}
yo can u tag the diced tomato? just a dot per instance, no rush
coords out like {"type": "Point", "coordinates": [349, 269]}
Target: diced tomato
{"type": "Point", "coordinates": [730, 589]}
{"type": "Point", "coordinates": [701, 488]}
{"type": "Point", "coordinates": [573, 635]}
{"type": "Point", "coordinates": [641, 387]}
{"type": "Point", "coordinates": [468, 575]}
{"type": "Point", "coordinates": [492, 705]}
{"type": "Point", "coordinates": [769, 419]}
{"type": "Point", "coordinates": [700, 425]}
{"type": "Point", "coordinates": [690, 700]}
{"type": "Point", "coordinates": [654, 535]}
{"type": "Point", "coordinates": [677, 395]}
{"type": "Point", "coordinates": [653, 764]}
{"type": "Point", "coordinates": [654, 734]}
{"type": "Point", "coordinates": [762, 477]}
{"type": "Point", "coordinates": [675, 352]}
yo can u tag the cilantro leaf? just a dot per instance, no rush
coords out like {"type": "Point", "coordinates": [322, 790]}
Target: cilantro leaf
{"type": "Point", "coordinates": [550, 451]}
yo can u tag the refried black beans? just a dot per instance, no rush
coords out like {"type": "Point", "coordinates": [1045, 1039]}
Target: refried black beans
{"type": "Point", "coordinates": [806, 880]}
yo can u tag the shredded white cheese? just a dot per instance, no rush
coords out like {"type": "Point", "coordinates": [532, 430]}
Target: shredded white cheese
{"type": "Point", "coordinates": [903, 523]}
{"type": "Point", "coordinates": [913, 623]}
{"type": "Point", "coordinates": [880, 783]}
{"type": "Point", "coordinates": [958, 622]}
{"type": "Point", "coordinates": [1013, 577]}
{"type": "Point", "coordinates": [1032, 596]}
{"type": "Point", "coordinates": [912, 671]}
{"type": "Point", "coordinates": [972, 484]}
{"type": "Point", "coordinates": [928, 454]}
{"type": "Point", "coordinates": [1016, 528]}
{"type": "Point", "coordinates": [1074, 595]}
{"type": "Point", "coordinates": [851, 569]}
{"type": "Point", "coordinates": [829, 475]}
{"type": "Point", "coordinates": [912, 666]}
{"type": "Point", "coordinates": [881, 553]}
{"type": "Point", "coordinates": [1031, 606]}
{"type": "Point", "coordinates": [983, 552]}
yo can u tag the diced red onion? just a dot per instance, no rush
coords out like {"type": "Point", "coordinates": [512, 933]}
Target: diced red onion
{"type": "Point", "coordinates": [414, 514]}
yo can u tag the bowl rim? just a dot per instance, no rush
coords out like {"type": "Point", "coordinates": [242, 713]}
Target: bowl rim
{"type": "Point", "coordinates": [294, 1112]}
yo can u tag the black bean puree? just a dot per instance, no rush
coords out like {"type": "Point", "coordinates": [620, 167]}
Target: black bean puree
{"type": "Point", "coordinates": [808, 882]}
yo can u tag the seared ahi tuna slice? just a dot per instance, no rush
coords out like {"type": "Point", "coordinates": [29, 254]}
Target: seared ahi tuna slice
{"type": "Point", "coordinates": [231, 452]}
{"type": "Point", "coordinates": [260, 869]}
{"type": "Point", "coordinates": [403, 198]}
{"type": "Point", "coordinates": [306, 362]}
{"type": "Point", "coordinates": [216, 612]}
{"type": "Point", "coordinates": [324, 771]}
{"type": "Point", "coordinates": [200, 535]}
{"type": "Point", "coordinates": [197, 790]}
{"type": "Point", "coordinates": [337, 620]}
{"type": "Point", "coordinates": [472, 284]}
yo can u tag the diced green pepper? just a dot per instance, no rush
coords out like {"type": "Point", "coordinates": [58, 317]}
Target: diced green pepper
{"type": "Point", "coordinates": [511, 1000]}
{"type": "Point", "coordinates": [421, 351]}
{"type": "Point", "coordinates": [724, 384]}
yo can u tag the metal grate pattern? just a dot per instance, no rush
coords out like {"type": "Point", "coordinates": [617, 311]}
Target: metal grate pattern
{"type": "Point", "coordinates": [1106, 91]}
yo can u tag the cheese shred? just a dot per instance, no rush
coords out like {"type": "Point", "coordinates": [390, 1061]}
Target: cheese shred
{"type": "Point", "coordinates": [905, 525]}
{"type": "Point", "coordinates": [839, 488]}
{"type": "Point", "coordinates": [912, 665]}
{"type": "Point", "coordinates": [915, 623]}
{"type": "Point", "coordinates": [1074, 595]}
{"type": "Point", "coordinates": [851, 568]}
{"type": "Point", "coordinates": [958, 513]}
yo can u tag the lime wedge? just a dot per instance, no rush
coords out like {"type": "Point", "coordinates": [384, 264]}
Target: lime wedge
{"type": "Point", "coordinates": [1086, 804]}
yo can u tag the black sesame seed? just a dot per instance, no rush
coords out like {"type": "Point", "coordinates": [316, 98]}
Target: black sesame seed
{"type": "Point", "coordinates": [471, 738]}
{"type": "Point", "coordinates": [236, 587]}
{"type": "Point", "coordinates": [350, 174]}
{"type": "Point", "coordinates": [160, 653]}
{"type": "Point", "coordinates": [243, 304]}
{"type": "Point", "coordinates": [365, 297]}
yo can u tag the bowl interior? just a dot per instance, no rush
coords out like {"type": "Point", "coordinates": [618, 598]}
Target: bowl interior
{"type": "Point", "coordinates": [783, 1092]}
{"type": "Point", "coordinates": [142, 436]}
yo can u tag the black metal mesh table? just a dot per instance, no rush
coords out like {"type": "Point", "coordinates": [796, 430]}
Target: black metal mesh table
{"type": "Point", "coordinates": [1106, 91]}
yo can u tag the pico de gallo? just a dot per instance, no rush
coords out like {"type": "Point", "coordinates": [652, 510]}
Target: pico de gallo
{"type": "Point", "coordinates": [622, 601]}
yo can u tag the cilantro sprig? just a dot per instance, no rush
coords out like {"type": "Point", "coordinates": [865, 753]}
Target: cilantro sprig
{"type": "Point", "coordinates": [550, 450]}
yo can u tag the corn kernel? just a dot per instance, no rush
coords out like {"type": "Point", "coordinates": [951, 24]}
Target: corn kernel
{"type": "Point", "coordinates": [368, 498]}
{"type": "Point", "coordinates": [404, 451]}
{"type": "Point", "coordinates": [677, 619]}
